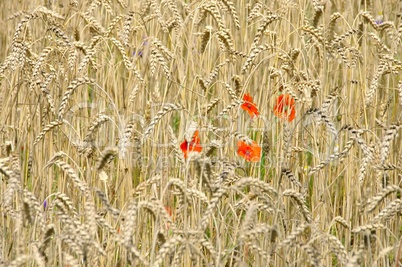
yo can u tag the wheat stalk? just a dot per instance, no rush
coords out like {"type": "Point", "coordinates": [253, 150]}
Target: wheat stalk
{"type": "Point", "coordinates": [254, 52]}
{"type": "Point", "coordinates": [106, 156]}
{"type": "Point", "coordinates": [369, 156]}
{"type": "Point", "coordinates": [318, 37]}
{"type": "Point", "coordinates": [70, 90]}
{"type": "Point", "coordinates": [213, 202]}
{"type": "Point", "coordinates": [126, 27]}
{"type": "Point", "coordinates": [90, 218]}
{"type": "Point", "coordinates": [381, 46]}
{"type": "Point", "coordinates": [390, 134]}
{"type": "Point", "coordinates": [215, 72]}
{"type": "Point", "coordinates": [81, 185]}
{"type": "Point", "coordinates": [322, 116]}
{"type": "Point", "coordinates": [60, 34]}
{"type": "Point", "coordinates": [264, 24]}
{"type": "Point", "coordinates": [317, 16]}
{"type": "Point", "coordinates": [158, 57]}
{"type": "Point", "coordinates": [336, 155]}
{"type": "Point", "coordinates": [375, 201]}
{"type": "Point", "coordinates": [95, 25]}
{"type": "Point", "coordinates": [290, 239]}
{"type": "Point", "coordinates": [368, 18]}
{"type": "Point", "coordinates": [390, 210]}
{"type": "Point", "coordinates": [250, 181]}
{"type": "Point", "coordinates": [33, 203]}
{"type": "Point", "coordinates": [381, 70]}
{"type": "Point", "coordinates": [232, 105]}
{"type": "Point", "coordinates": [367, 228]}
{"type": "Point", "coordinates": [212, 9]}
{"type": "Point", "coordinates": [255, 12]}
{"type": "Point", "coordinates": [176, 13]}
{"type": "Point", "coordinates": [41, 59]}
{"type": "Point", "coordinates": [225, 41]}
{"type": "Point", "coordinates": [288, 173]}
{"type": "Point", "coordinates": [190, 192]}
{"type": "Point", "coordinates": [142, 186]}
{"type": "Point", "coordinates": [62, 200]}
{"type": "Point", "coordinates": [300, 202]}
{"type": "Point", "coordinates": [126, 60]}
{"type": "Point", "coordinates": [130, 223]}
{"type": "Point", "coordinates": [115, 212]}
{"type": "Point", "coordinates": [47, 129]}
{"type": "Point", "coordinates": [166, 248]}
{"type": "Point", "coordinates": [232, 11]}
{"type": "Point", "coordinates": [46, 92]}
{"type": "Point", "coordinates": [166, 109]}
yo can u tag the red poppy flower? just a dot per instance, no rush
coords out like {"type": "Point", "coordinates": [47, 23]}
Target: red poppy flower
{"type": "Point", "coordinates": [169, 211]}
{"type": "Point", "coordinates": [249, 152]}
{"type": "Point", "coordinates": [285, 107]}
{"type": "Point", "coordinates": [193, 145]}
{"type": "Point", "coordinates": [249, 106]}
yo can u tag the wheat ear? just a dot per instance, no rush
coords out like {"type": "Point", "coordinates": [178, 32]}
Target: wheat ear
{"type": "Point", "coordinates": [390, 210]}
{"type": "Point", "coordinates": [375, 201]}
{"type": "Point", "coordinates": [81, 185]}
{"type": "Point", "coordinates": [166, 248]}
{"type": "Point", "coordinates": [166, 109]}
{"type": "Point", "coordinates": [291, 238]}
{"type": "Point", "coordinates": [300, 201]}
{"type": "Point", "coordinates": [47, 129]}
{"type": "Point", "coordinates": [70, 90]}
{"type": "Point", "coordinates": [106, 156]}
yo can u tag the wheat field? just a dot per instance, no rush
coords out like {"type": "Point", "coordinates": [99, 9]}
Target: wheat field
{"type": "Point", "coordinates": [152, 133]}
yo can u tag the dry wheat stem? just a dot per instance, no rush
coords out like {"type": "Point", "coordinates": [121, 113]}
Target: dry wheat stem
{"type": "Point", "coordinates": [166, 109]}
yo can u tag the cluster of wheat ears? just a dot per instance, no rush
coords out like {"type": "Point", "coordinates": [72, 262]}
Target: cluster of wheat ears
{"type": "Point", "coordinates": [97, 98]}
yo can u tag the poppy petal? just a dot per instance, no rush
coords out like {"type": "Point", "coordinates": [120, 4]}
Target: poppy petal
{"type": "Point", "coordinates": [184, 148]}
{"type": "Point", "coordinates": [249, 106]}
{"type": "Point", "coordinates": [285, 107]}
{"type": "Point", "coordinates": [248, 98]}
{"type": "Point", "coordinates": [292, 114]}
{"type": "Point", "coordinates": [249, 152]}
{"type": "Point", "coordinates": [194, 145]}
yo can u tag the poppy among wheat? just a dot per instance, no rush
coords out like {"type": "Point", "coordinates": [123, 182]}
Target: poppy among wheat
{"type": "Point", "coordinates": [249, 152]}
{"type": "Point", "coordinates": [285, 107]}
{"type": "Point", "coordinates": [249, 106]}
{"type": "Point", "coordinates": [169, 212]}
{"type": "Point", "coordinates": [193, 145]}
